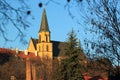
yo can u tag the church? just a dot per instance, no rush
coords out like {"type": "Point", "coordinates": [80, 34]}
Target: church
{"type": "Point", "coordinates": [44, 47]}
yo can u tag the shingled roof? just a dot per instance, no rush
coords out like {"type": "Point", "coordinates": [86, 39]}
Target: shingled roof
{"type": "Point", "coordinates": [35, 41]}
{"type": "Point", "coordinates": [44, 23]}
{"type": "Point", "coordinates": [58, 48]}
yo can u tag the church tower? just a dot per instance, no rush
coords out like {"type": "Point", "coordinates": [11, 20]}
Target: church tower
{"type": "Point", "coordinates": [44, 45]}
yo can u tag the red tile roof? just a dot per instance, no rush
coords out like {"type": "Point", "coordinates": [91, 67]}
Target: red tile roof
{"type": "Point", "coordinates": [87, 77]}
{"type": "Point", "coordinates": [21, 54]}
{"type": "Point", "coordinates": [4, 50]}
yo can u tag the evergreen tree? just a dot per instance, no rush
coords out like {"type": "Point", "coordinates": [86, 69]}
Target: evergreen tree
{"type": "Point", "coordinates": [71, 47]}
{"type": "Point", "coordinates": [70, 67]}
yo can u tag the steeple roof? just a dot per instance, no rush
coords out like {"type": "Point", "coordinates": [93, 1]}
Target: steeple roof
{"type": "Point", "coordinates": [44, 24]}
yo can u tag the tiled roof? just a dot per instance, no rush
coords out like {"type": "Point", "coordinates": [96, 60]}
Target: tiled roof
{"type": "Point", "coordinates": [21, 54]}
{"type": "Point", "coordinates": [5, 50]}
{"type": "Point", "coordinates": [30, 55]}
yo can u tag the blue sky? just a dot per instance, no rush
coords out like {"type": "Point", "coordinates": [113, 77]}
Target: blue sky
{"type": "Point", "coordinates": [59, 20]}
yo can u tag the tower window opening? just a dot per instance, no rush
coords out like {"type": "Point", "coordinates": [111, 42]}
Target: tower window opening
{"type": "Point", "coordinates": [39, 38]}
{"type": "Point", "coordinates": [39, 48]}
{"type": "Point", "coordinates": [46, 38]}
{"type": "Point", "coordinates": [47, 49]}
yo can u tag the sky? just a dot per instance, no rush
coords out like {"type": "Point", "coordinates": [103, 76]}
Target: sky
{"type": "Point", "coordinates": [59, 21]}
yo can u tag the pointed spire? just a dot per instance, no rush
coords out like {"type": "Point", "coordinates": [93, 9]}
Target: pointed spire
{"type": "Point", "coordinates": [44, 23]}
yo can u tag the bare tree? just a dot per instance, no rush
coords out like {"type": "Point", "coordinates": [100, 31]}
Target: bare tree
{"type": "Point", "coordinates": [106, 23]}
{"type": "Point", "coordinates": [104, 17]}
{"type": "Point", "coordinates": [13, 13]}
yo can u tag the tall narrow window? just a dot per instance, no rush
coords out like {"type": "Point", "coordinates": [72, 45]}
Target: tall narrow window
{"type": "Point", "coordinates": [47, 49]}
{"type": "Point", "coordinates": [39, 38]}
{"type": "Point", "coordinates": [46, 38]}
{"type": "Point", "coordinates": [39, 48]}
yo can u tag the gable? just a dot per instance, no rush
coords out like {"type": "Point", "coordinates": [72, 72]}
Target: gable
{"type": "Point", "coordinates": [32, 45]}
{"type": "Point", "coordinates": [35, 41]}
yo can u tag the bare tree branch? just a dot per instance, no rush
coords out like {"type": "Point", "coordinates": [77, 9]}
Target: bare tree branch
{"type": "Point", "coordinates": [15, 16]}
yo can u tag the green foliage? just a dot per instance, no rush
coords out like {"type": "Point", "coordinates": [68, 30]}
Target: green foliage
{"type": "Point", "coordinates": [71, 43]}
{"type": "Point", "coordinates": [71, 68]}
